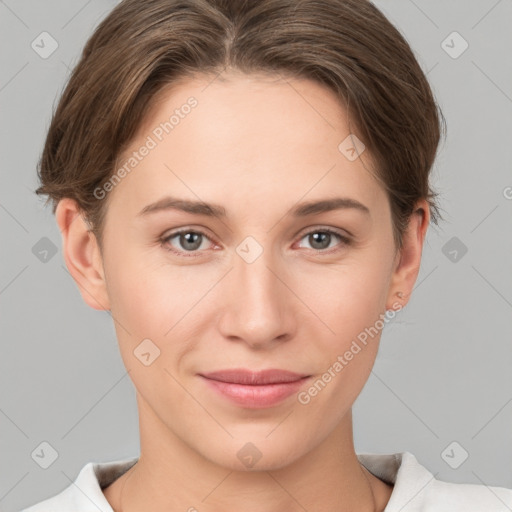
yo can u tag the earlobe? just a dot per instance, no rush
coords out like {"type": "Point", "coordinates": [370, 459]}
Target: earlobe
{"type": "Point", "coordinates": [82, 255]}
{"type": "Point", "coordinates": [408, 260]}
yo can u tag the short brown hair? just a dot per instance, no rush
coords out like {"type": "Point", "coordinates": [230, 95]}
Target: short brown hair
{"type": "Point", "coordinates": [140, 48]}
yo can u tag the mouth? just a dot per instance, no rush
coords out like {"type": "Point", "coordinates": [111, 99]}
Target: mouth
{"type": "Point", "coordinates": [255, 390]}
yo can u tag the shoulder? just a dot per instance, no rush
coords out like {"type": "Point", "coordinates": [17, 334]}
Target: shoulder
{"type": "Point", "coordinates": [416, 489]}
{"type": "Point", "coordinates": [85, 493]}
{"type": "Point", "coordinates": [447, 496]}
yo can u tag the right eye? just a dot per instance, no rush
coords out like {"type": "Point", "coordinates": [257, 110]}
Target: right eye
{"type": "Point", "coordinates": [187, 240]}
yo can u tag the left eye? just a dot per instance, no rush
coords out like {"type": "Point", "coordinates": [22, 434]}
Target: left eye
{"type": "Point", "coordinates": [321, 238]}
{"type": "Point", "coordinates": [191, 241]}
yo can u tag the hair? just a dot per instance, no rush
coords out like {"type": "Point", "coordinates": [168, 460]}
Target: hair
{"type": "Point", "coordinates": [142, 48]}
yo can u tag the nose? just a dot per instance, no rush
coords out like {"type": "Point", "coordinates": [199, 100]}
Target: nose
{"type": "Point", "coordinates": [258, 308]}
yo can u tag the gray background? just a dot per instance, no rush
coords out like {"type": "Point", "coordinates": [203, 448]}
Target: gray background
{"type": "Point", "coordinates": [443, 373]}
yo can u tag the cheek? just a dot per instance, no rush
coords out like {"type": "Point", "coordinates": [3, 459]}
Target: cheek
{"type": "Point", "coordinates": [146, 292]}
{"type": "Point", "coordinates": [350, 304]}
{"type": "Point", "coordinates": [346, 357]}
{"type": "Point", "coordinates": [165, 303]}
{"type": "Point", "coordinates": [347, 297]}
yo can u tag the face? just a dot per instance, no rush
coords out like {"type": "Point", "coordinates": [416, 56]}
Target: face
{"type": "Point", "coordinates": [262, 283]}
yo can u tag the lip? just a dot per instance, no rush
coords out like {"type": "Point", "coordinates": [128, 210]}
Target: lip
{"type": "Point", "coordinates": [248, 377]}
{"type": "Point", "coordinates": [254, 390]}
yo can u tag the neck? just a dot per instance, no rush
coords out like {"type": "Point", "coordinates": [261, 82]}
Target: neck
{"type": "Point", "coordinates": [171, 475]}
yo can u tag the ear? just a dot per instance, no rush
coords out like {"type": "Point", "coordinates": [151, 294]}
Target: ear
{"type": "Point", "coordinates": [408, 259]}
{"type": "Point", "coordinates": [82, 254]}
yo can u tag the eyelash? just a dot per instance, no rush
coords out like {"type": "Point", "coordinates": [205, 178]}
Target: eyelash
{"type": "Point", "coordinates": [345, 241]}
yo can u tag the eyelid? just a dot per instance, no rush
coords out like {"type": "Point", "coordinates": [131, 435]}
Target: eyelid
{"type": "Point", "coordinates": [335, 231]}
{"type": "Point", "coordinates": [187, 229]}
{"type": "Point", "coordinates": [345, 238]}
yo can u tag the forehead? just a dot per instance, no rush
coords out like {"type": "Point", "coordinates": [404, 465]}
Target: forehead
{"type": "Point", "coordinates": [235, 104]}
{"type": "Point", "coordinates": [245, 139]}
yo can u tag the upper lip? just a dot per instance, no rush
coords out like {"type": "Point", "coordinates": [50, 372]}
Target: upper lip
{"type": "Point", "coordinates": [243, 376]}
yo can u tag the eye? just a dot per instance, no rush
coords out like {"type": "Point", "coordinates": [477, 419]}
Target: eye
{"type": "Point", "coordinates": [192, 241]}
{"type": "Point", "coordinates": [187, 240]}
{"type": "Point", "coordinates": [320, 239]}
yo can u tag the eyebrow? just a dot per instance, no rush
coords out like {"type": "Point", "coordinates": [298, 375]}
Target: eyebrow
{"type": "Point", "coordinates": [215, 210]}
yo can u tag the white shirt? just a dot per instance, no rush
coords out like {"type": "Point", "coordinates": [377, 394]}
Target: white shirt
{"type": "Point", "coordinates": [415, 488]}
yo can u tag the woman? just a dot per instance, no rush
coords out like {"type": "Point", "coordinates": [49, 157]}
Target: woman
{"type": "Point", "coordinates": [245, 187]}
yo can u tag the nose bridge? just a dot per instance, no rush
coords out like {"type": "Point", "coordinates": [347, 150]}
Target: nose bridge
{"type": "Point", "coordinates": [258, 310]}
{"type": "Point", "coordinates": [257, 282]}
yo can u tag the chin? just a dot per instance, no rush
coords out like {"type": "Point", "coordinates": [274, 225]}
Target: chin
{"type": "Point", "coordinates": [256, 453]}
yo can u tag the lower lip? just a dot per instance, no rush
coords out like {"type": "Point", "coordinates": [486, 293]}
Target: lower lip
{"type": "Point", "coordinates": [256, 397]}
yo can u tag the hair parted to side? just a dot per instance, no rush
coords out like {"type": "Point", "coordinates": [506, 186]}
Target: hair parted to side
{"type": "Point", "coordinates": [142, 48]}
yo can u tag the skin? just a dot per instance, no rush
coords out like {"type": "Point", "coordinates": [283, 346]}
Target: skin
{"type": "Point", "coordinates": [257, 145]}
